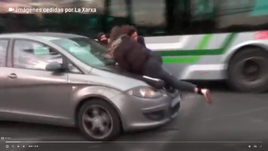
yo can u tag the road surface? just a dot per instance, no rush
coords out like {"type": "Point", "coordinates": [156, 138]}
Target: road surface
{"type": "Point", "coordinates": [233, 122]}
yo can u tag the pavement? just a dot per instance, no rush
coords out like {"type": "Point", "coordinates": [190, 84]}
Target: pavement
{"type": "Point", "coordinates": [233, 122]}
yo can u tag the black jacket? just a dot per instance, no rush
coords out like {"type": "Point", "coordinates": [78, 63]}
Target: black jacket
{"type": "Point", "coordinates": [130, 55]}
{"type": "Point", "coordinates": [141, 41]}
{"type": "Point", "coordinates": [156, 56]}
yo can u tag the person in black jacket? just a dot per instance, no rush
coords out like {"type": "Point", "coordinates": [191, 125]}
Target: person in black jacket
{"type": "Point", "coordinates": [132, 32]}
{"type": "Point", "coordinates": [135, 58]}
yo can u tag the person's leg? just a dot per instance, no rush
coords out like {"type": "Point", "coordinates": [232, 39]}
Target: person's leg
{"type": "Point", "coordinates": [154, 69]}
{"type": "Point", "coordinates": [157, 57]}
{"type": "Point", "coordinates": [175, 83]}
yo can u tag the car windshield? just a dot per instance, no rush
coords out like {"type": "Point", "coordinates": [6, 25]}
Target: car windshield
{"type": "Point", "coordinates": [86, 50]}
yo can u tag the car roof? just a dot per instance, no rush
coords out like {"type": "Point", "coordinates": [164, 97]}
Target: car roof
{"type": "Point", "coordinates": [43, 35]}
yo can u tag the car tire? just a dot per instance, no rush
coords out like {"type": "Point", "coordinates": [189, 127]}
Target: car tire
{"type": "Point", "coordinates": [258, 59]}
{"type": "Point", "coordinates": [115, 120]}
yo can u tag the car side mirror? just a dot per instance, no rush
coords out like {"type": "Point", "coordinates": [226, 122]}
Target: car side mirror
{"type": "Point", "coordinates": [54, 66]}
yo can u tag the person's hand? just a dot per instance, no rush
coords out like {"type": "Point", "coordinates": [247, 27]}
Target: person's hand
{"type": "Point", "coordinates": [107, 55]}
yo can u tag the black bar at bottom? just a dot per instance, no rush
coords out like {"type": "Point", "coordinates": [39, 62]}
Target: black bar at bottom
{"type": "Point", "coordinates": [136, 146]}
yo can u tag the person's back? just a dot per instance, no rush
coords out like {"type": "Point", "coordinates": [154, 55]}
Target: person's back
{"type": "Point", "coordinates": [132, 32]}
{"type": "Point", "coordinates": [130, 55]}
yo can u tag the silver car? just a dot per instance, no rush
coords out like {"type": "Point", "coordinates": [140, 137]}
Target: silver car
{"type": "Point", "coordinates": [63, 79]}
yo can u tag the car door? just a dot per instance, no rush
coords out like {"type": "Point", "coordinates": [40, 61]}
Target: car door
{"type": "Point", "coordinates": [4, 79]}
{"type": "Point", "coordinates": [37, 94]}
{"type": "Point", "coordinates": [3, 64]}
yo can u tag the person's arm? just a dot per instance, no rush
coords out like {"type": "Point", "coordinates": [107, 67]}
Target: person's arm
{"type": "Point", "coordinates": [120, 59]}
{"type": "Point", "coordinates": [142, 41]}
{"type": "Point", "coordinates": [110, 61]}
{"type": "Point", "coordinates": [123, 64]}
{"type": "Point", "coordinates": [136, 56]}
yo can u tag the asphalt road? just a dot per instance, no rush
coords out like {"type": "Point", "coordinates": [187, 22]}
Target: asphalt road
{"type": "Point", "coordinates": [233, 122]}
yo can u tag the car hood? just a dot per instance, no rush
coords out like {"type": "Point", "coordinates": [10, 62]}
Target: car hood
{"type": "Point", "coordinates": [113, 76]}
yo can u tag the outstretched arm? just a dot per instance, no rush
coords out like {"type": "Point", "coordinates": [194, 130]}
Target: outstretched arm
{"type": "Point", "coordinates": [141, 41]}
{"type": "Point", "coordinates": [120, 59]}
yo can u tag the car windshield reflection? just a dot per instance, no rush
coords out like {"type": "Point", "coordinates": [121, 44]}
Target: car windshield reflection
{"type": "Point", "coordinates": [33, 55]}
{"type": "Point", "coordinates": [86, 50]}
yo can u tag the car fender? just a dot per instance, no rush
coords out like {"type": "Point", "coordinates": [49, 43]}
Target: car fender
{"type": "Point", "coordinates": [106, 93]}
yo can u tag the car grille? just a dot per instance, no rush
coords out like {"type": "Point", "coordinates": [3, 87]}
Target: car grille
{"type": "Point", "coordinates": [175, 93]}
{"type": "Point", "coordinates": [162, 114]}
{"type": "Point", "coordinates": [175, 109]}
{"type": "Point", "coordinates": [155, 116]}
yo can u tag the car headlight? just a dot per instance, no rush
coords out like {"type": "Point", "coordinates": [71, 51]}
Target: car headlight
{"type": "Point", "coordinates": [145, 92]}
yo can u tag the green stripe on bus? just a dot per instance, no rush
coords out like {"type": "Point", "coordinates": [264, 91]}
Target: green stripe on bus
{"type": "Point", "coordinates": [202, 45]}
{"type": "Point", "coordinates": [192, 56]}
{"type": "Point", "coordinates": [181, 60]}
{"type": "Point", "coordinates": [204, 42]}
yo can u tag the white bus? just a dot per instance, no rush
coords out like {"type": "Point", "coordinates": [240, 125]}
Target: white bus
{"type": "Point", "coordinates": [199, 39]}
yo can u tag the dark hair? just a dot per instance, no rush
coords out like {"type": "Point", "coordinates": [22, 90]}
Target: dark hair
{"type": "Point", "coordinates": [129, 30]}
{"type": "Point", "coordinates": [125, 29]}
{"type": "Point", "coordinates": [99, 35]}
{"type": "Point", "coordinates": [115, 33]}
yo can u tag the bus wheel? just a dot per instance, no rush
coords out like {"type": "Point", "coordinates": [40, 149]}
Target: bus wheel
{"type": "Point", "coordinates": [248, 70]}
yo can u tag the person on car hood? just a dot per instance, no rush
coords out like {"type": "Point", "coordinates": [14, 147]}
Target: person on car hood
{"type": "Point", "coordinates": [136, 59]}
{"type": "Point", "coordinates": [132, 32]}
{"type": "Point", "coordinates": [103, 39]}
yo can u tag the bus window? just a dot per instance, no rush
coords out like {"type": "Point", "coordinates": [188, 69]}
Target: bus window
{"type": "Point", "coordinates": [117, 13]}
{"type": "Point", "coordinates": [31, 21]}
{"type": "Point", "coordinates": [87, 24]}
{"type": "Point", "coordinates": [51, 22]}
{"type": "Point", "coordinates": [18, 23]}
{"type": "Point", "coordinates": [149, 17]}
{"type": "Point", "coordinates": [202, 17]}
{"type": "Point", "coordinates": [202, 9]}
{"type": "Point", "coordinates": [243, 15]}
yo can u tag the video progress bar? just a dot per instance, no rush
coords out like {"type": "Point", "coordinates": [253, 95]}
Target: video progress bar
{"type": "Point", "coordinates": [135, 142]}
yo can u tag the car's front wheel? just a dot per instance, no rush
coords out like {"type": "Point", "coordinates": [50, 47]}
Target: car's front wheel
{"type": "Point", "coordinates": [98, 120]}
